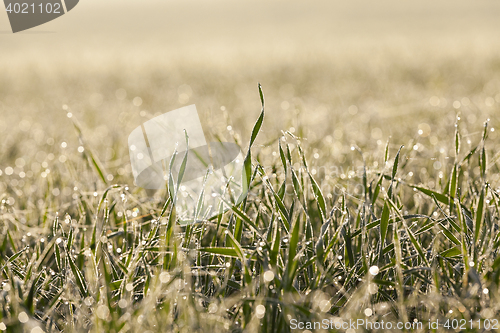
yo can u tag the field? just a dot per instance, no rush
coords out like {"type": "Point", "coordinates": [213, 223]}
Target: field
{"type": "Point", "coordinates": [375, 185]}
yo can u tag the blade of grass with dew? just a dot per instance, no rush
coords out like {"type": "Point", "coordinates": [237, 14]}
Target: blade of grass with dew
{"type": "Point", "coordinates": [292, 261]}
{"type": "Point", "coordinates": [247, 163]}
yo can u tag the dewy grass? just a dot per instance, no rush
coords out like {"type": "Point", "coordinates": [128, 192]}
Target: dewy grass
{"type": "Point", "coordinates": [405, 249]}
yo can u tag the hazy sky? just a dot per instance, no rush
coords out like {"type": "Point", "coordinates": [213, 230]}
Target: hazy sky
{"type": "Point", "coordinates": [124, 26]}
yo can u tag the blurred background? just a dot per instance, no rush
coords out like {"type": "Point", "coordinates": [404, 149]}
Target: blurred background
{"type": "Point", "coordinates": [335, 73]}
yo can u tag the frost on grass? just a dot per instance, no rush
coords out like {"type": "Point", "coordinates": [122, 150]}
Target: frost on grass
{"type": "Point", "coordinates": [326, 232]}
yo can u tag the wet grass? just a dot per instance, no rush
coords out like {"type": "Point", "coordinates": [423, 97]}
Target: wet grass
{"type": "Point", "coordinates": [347, 225]}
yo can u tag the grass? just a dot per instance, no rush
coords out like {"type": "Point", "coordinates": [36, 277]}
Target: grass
{"type": "Point", "coordinates": [398, 230]}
